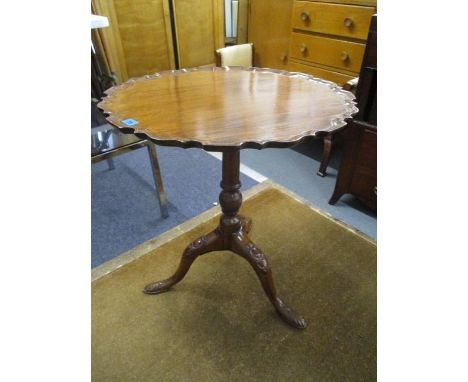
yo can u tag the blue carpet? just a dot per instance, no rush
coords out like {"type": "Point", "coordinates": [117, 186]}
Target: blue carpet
{"type": "Point", "coordinates": [125, 210]}
{"type": "Point", "coordinates": [296, 170]}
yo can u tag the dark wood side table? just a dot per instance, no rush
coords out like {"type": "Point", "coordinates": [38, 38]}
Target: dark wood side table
{"type": "Point", "coordinates": [227, 109]}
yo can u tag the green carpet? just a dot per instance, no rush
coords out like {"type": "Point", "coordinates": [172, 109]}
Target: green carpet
{"type": "Point", "coordinates": [217, 324]}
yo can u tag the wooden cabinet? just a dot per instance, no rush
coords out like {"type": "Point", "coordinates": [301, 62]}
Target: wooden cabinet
{"type": "Point", "coordinates": [269, 28]}
{"type": "Point", "coordinates": [357, 174]}
{"type": "Point", "coordinates": [328, 39]}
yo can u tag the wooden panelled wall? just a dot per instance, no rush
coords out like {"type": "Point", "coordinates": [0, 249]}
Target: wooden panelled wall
{"type": "Point", "coordinates": [139, 39]}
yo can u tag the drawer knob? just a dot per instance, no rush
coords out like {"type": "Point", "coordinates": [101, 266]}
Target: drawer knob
{"type": "Point", "coordinates": [348, 23]}
{"type": "Point", "coordinates": [344, 56]}
{"type": "Point", "coordinates": [303, 48]}
{"type": "Point", "coordinates": [305, 16]}
{"type": "Point", "coordinates": [283, 57]}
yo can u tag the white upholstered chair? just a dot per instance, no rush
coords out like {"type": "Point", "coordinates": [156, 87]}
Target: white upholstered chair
{"type": "Point", "coordinates": [236, 55]}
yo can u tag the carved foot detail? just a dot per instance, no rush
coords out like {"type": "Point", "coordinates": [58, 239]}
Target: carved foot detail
{"type": "Point", "coordinates": [158, 287]}
{"type": "Point", "coordinates": [289, 316]}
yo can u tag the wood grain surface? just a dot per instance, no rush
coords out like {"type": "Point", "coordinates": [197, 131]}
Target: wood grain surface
{"type": "Point", "coordinates": [269, 28]}
{"type": "Point", "coordinates": [199, 26]}
{"type": "Point", "coordinates": [226, 108]}
{"type": "Point", "coordinates": [144, 27]}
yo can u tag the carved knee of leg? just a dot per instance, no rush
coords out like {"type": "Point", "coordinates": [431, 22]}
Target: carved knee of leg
{"type": "Point", "coordinates": [258, 257]}
{"type": "Point", "coordinates": [193, 250]}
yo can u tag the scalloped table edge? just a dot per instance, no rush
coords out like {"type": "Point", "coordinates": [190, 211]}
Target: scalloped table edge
{"type": "Point", "coordinates": [335, 125]}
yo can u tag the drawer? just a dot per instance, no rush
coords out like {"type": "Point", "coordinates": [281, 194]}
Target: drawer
{"type": "Point", "coordinates": [327, 51]}
{"type": "Point", "coordinates": [328, 75]}
{"type": "Point", "coordinates": [335, 19]}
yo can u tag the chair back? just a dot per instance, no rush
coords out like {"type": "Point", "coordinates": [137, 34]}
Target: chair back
{"type": "Point", "coordinates": [235, 55]}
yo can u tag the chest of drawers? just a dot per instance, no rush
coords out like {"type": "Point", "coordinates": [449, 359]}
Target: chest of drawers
{"type": "Point", "coordinates": [328, 39]}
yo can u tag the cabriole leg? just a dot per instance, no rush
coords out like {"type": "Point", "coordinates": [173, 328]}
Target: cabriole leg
{"type": "Point", "coordinates": [244, 247]}
{"type": "Point", "coordinates": [204, 244]}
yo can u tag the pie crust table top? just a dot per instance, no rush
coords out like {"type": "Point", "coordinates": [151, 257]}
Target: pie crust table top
{"type": "Point", "coordinates": [228, 107]}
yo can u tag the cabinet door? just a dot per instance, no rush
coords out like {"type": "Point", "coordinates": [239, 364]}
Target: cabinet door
{"type": "Point", "coordinates": [199, 26]}
{"type": "Point", "coordinates": [269, 30]}
{"type": "Point", "coordinates": [145, 35]}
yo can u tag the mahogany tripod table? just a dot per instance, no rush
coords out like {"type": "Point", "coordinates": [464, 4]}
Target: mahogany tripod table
{"type": "Point", "coordinates": [225, 110]}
